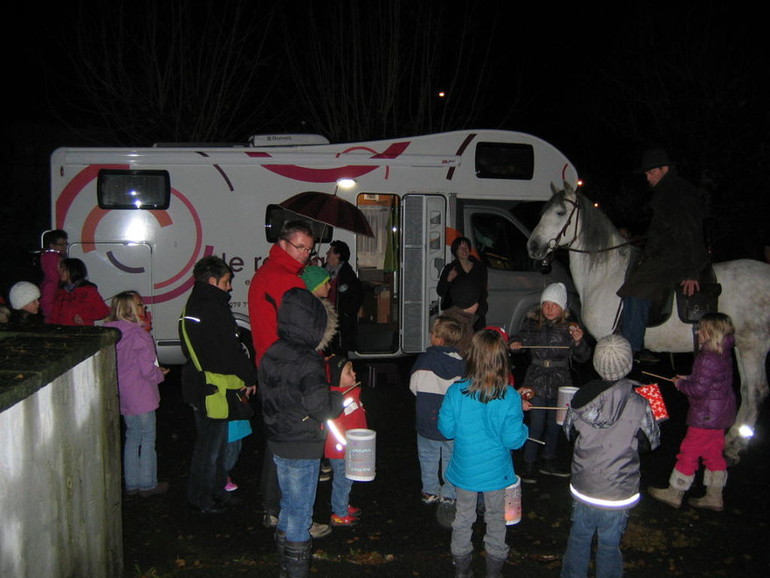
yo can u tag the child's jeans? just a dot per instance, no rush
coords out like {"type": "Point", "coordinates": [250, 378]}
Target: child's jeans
{"type": "Point", "coordinates": [494, 517]}
{"type": "Point", "coordinates": [431, 453]}
{"type": "Point", "coordinates": [708, 444]}
{"type": "Point", "coordinates": [340, 488]}
{"type": "Point", "coordinates": [298, 480]}
{"type": "Point", "coordinates": [140, 463]}
{"type": "Point", "coordinates": [609, 526]}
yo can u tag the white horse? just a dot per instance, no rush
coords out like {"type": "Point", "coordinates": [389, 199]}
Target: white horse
{"type": "Point", "coordinates": [599, 258]}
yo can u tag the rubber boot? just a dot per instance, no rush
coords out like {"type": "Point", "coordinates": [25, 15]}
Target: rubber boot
{"type": "Point", "coordinates": [495, 567]}
{"type": "Point", "coordinates": [715, 483]}
{"type": "Point", "coordinates": [462, 566]}
{"type": "Point", "coordinates": [280, 548]}
{"type": "Point", "coordinates": [678, 484]}
{"type": "Point", "coordinates": [297, 558]}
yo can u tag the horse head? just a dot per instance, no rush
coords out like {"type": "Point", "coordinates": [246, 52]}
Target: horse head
{"type": "Point", "coordinates": [557, 226]}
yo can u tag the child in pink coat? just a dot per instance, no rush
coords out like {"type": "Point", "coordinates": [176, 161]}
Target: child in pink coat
{"type": "Point", "coordinates": [138, 378]}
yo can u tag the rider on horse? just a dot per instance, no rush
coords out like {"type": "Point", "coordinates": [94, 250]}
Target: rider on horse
{"type": "Point", "coordinates": [674, 252]}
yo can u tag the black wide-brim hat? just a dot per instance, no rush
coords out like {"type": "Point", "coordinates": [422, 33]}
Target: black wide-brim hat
{"type": "Point", "coordinates": [654, 158]}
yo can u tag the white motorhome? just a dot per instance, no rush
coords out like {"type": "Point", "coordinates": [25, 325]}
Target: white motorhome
{"type": "Point", "coordinates": [140, 218]}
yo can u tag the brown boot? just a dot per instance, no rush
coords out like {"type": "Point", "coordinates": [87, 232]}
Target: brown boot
{"type": "Point", "coordinates": [678, 484]}
{"type": "Point", "coordinates": [715, 483]}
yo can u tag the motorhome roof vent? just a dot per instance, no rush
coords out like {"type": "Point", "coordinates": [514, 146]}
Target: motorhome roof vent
{"type": "Point", "coordinates": [272, 140]}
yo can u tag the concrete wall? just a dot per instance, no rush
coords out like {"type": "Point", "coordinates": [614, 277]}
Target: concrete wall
{"type": "Point", "coordinates": [60, 471]}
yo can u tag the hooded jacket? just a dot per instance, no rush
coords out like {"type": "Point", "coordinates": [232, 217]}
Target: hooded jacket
{"type": "Point", "coordinates": [432, 374]}
{"type": "Point", "coordinates": [138, 370]}
{"type": "Point", "coordinates": [605, 420]}
{"type": "Point", "coordinates": [293, 387]}
{"type": "Point", "coordinates": [709, 388]}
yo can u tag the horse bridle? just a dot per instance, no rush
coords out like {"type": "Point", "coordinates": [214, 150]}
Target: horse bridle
{"type": "Point", "coordinates": [554, 243]}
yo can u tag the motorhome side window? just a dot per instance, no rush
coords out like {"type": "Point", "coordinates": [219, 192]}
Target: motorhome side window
{"type": "Point", "coordinates": [500, 244]}
{"type": "Point", "coordinates": [133, 189]}
{"type": "Point", "coordinates": [505, 161]}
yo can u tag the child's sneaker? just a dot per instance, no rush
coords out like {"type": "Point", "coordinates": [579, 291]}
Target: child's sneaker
{"type": "Point", "coordinates": [230, 486]}
{"type": "Point", "coordinates": [354, 512]}
{"type": "Point", "coordinates": [429, 498]}
{"type": "Point", "coordinates": [344, 522]}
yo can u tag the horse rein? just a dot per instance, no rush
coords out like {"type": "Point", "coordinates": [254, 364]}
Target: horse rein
{"type": "Point", "coordinates": [553, 244]}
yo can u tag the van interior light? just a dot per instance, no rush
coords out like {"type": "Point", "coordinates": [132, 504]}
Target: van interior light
{"type": "Point", "coordinates": [346, 183]}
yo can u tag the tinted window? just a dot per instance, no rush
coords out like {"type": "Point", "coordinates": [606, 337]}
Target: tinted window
{"type": "Point", "coordinates": [123, 189]}
{"type": "Point", "coordinates": [500, 244]}
{"type": "Point", "coordinates": [505, 161]}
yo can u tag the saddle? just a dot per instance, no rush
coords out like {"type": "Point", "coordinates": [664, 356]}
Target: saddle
{"type": "Point", "coordinates": [689, 308]}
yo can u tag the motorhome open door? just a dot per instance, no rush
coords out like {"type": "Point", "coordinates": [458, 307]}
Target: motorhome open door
{"type": "Point", "coordinates": [423, 226]}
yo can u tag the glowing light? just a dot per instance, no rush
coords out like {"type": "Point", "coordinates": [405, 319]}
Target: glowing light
{"type": "Point", "coordinates": [441, 94]}
{"type": "Point", "coordinates": [746, 431]}
{"type": "Point", "coordinates": [136, 230]}
{"type": "Point", "coordinates": [346, 183]}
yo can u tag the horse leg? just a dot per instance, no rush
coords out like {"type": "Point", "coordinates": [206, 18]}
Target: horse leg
{"type": "Point", "coordinates": [754, 390]}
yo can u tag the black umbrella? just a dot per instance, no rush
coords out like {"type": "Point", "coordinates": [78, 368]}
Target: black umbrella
{"type": "Point", "coordinates": [330, 210]}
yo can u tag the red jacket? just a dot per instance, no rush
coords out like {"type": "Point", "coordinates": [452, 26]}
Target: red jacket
{"type": "Point", "coordinates": [84, 301]}
{"type": "Point", "coordinates": [278, 274]}
{"type": "Point", "coordinates": [352, 416]}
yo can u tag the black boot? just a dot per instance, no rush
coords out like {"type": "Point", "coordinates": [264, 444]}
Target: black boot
{"type": "Point", "coordinates": [297, 558]}
{"type": "Point", "coordinates": [462, 566]}
{"type": "Point", "coordinates": [280, 547]}
{"type": "Point", "coordinates": [494, 567]}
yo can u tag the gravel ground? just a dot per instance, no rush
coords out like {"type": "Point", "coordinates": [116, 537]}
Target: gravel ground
{"type": "Point", "coordinates": [400, 537]}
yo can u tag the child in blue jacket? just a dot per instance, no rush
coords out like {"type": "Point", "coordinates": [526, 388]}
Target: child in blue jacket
{"type": "Point", "coordinates": [484, 416]}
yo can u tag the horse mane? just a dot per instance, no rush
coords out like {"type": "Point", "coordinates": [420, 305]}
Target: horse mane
{"type": "Point", "coordinates": [598, 232]}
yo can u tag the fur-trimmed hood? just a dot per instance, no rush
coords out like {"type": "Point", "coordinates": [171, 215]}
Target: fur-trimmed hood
{"type": "Point", "coordinates": [305, 319]}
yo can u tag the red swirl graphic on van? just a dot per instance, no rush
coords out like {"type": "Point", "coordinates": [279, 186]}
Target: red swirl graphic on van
{"type": "Point", "coordinates": [311, 175]}
{"type": "Point", "coordinates": [163, 218]}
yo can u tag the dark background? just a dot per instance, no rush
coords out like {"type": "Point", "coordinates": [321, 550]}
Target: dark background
{"type": "Point", "coordinates": [601, 84]}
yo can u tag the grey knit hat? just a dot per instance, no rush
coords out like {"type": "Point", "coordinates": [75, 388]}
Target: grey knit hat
{"type": "Point", "coordinates": [613, 358]}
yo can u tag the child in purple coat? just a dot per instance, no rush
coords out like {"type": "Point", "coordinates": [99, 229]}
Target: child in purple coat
{"type": "Point", "coordinates": [138, 378]}
{"type": "Point", "coordinates": [709, 390]}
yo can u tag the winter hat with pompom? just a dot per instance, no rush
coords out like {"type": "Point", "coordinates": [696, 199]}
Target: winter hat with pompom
{"type": "Point", "coordinates": [613, 358]}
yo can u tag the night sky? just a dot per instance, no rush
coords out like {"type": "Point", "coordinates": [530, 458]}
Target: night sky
{"type": "Point", "coordinates": [600, 84]}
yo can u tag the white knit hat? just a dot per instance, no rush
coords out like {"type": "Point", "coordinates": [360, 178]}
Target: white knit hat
{"type": "Point", "coordinates": [23, 293]}
{"type": "Point", "coordinates": [613, 358]}
{"type": "Point", "coordinates": [555, 293]}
